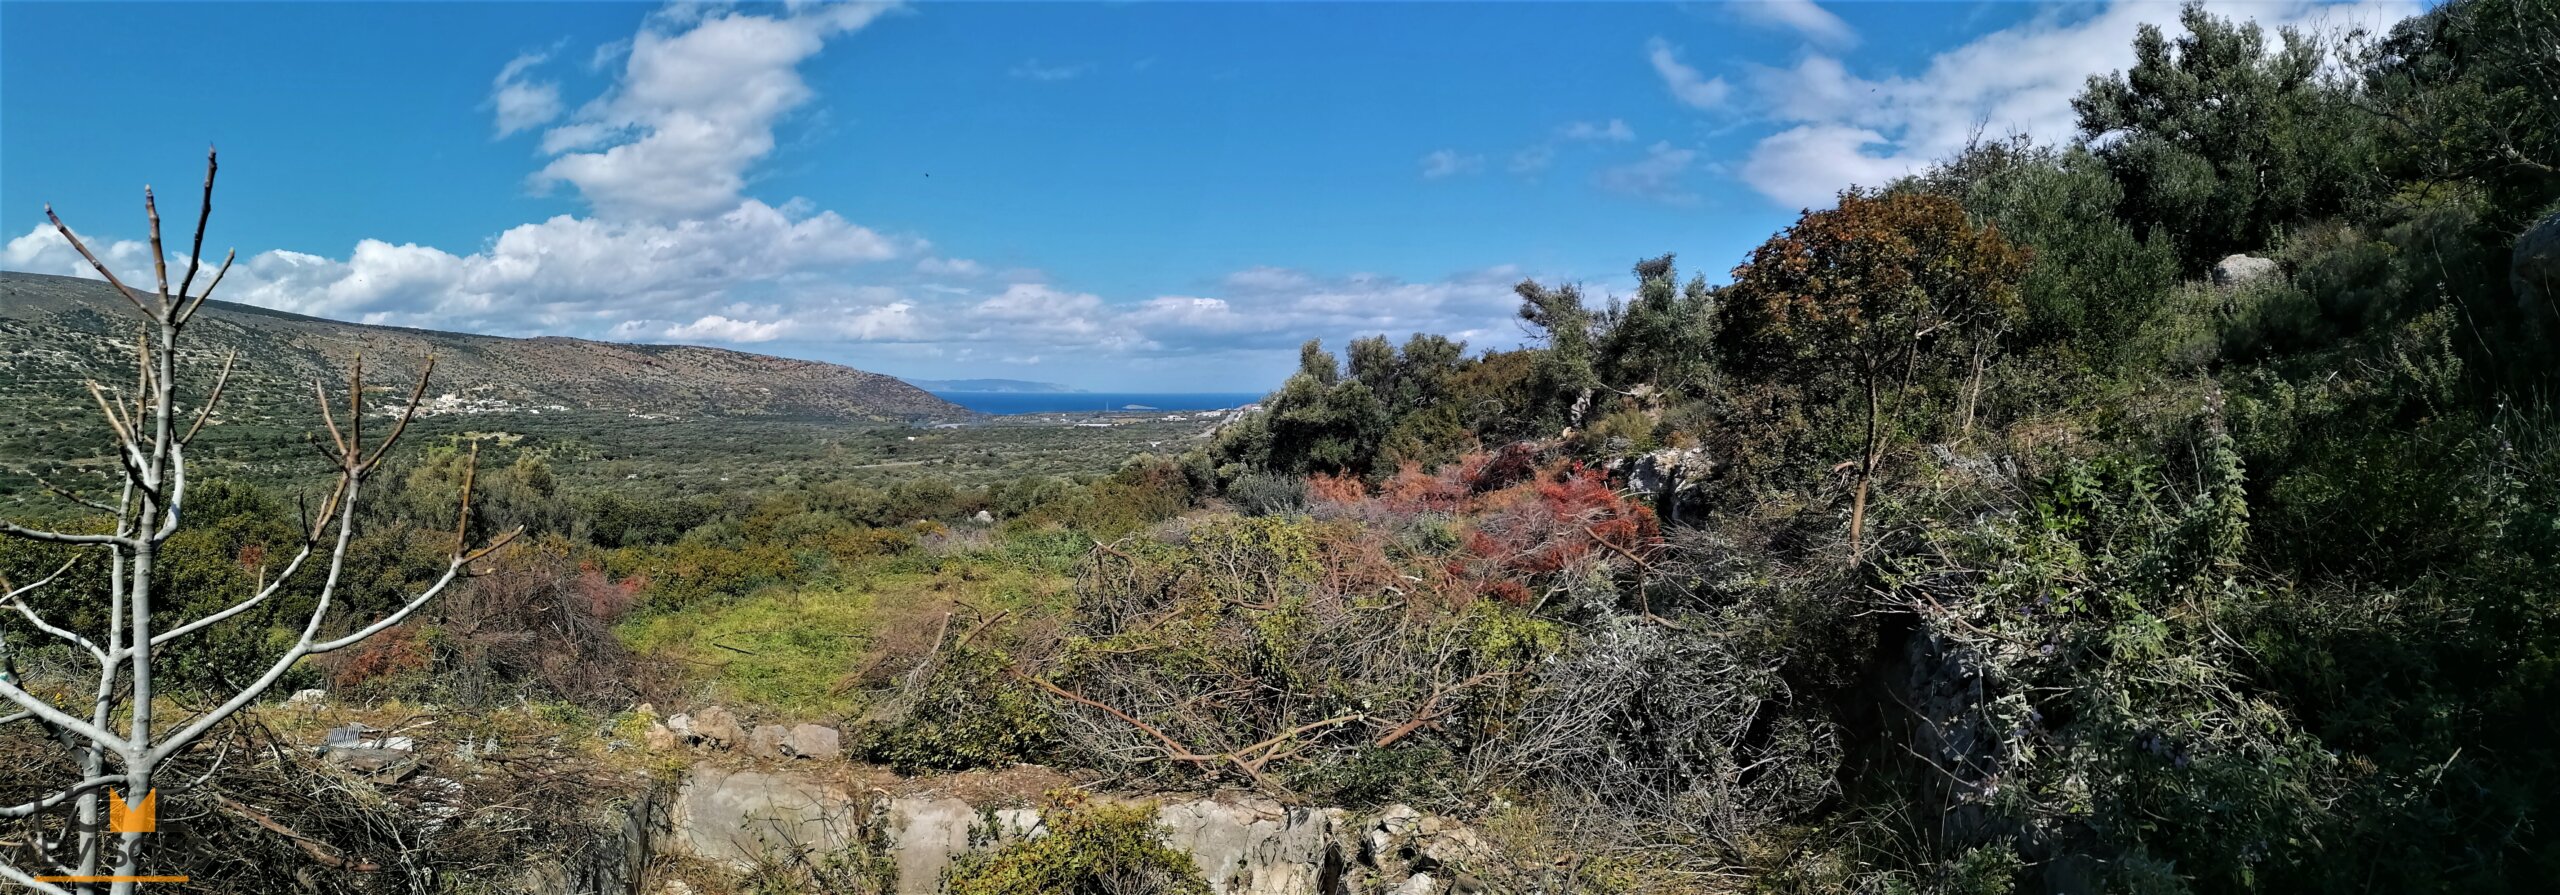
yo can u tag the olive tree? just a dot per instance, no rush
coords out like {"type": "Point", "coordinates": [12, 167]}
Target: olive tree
{"type": "Point", "coordinates": [151, 431]}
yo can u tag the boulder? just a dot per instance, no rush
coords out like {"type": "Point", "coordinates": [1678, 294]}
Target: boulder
{"type": "Point", "coordinates": [2238, 270]}
{"type": "Point", "coordinates": [2535, 272]}
{"type": "Point", "coordinates": [735, 818]}
{"type": "Point", "coordinates": [766, 741]}
{"type": "Point", "coordinates": [926, 833]}
{"type": "Point", "coordinates": [816, 741]}
{"type": "Point", "coordinates": [307, 699]}
{"type": "Point", "coordinates": [1253, 846]}
{"type": "Point", "coordinates": [719, 729]}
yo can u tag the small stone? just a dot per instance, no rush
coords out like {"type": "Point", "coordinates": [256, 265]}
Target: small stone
{"type": "Point", "coordinates": [715, 726]}
{"type": "Point", "coordinates": [681, 725]}
{"type": "Point", "coordinates": [659, 738]}
{"type": "Point", "coordinates": [380, 764]}
{"type": "Point", "coordinates": [816, 741]}
{"type": "Point", "coordinates": [984, 518]}
{"type": "Point", "coordinates": [350, 734]}
{"type": "Point", "coordinates": [307, 699]}
{"type": "Point", "coordinates": [766, 742]}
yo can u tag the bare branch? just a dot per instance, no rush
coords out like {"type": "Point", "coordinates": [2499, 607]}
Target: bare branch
{"type": "Point", "coordinates": [59, 718]}
{"type": "Point", "coordinates": [265, 590]}
{"type": "Point", "coordinates": [322, 393]}
{"type": "Point", "coordinates": [211, 398]}
{"type": "Point", "coordinates": [462, 520]}
{"type": "Point", "coordinates": [24, 809]}
{"type": "Point", "coordinates": [93, 259]}
{"type": "Point", "coordinates": [14, 530]}
{"type": "Point", "coordinates": [15, 875]}
{"type": "Point", "coordinates": [159, 257]}
{"type": "Point", "coordinates": [415, 394]}
{"type": "Point", "coordinates": [198, 301]}
{"type": "Point", "coordinates": [195, 254]}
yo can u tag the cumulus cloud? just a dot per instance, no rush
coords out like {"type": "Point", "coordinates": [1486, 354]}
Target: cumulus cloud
{"type": "Point", "coordinates": [1687, 85]}
{"type": "Point", "coordinates": [1659, 176]}
{"type": "Point", "coordinates": [1803, 16]}
{"type": "Point", "coordinates": [522, 104]}
{"type": "Point", "coordinates": [1450, 163]}
{"type": "Point", "coordinates": [716, 328]}
{"type": "Point", "coordinates": [696, 104]}
{"type": "Point", "coordinates": [1840, 128]}
{"type": "Point", "coordinates": [673, 249]}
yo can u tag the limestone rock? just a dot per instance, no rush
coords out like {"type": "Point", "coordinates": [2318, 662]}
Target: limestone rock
{"type": "Point", "coordinates": [719, 729]}
{"type": "Point", "coordinates": [984, 518]}
{"type": "Point", "coordinates": [307, 699]}
{"type": "Point", "coordinates": [681, 725]}
{"type": "Point", "coordinates": [2239, 270]}
{"type": "Point", "coordinates": [733, 817]}
{"type": "Point", "coordinates": [660, 738]}
{"type": "Point", "coordinates": [1253, 846]}
{"type": "Point", "coordinates": [816, 741]}
{"type": "Point", "coordinates": [766, 741]}
{"type": "Point", "coordinates": [926, 833]}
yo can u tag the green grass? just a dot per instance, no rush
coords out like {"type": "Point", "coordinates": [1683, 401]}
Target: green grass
{"type": "Point", "coordinates": [795, 651]}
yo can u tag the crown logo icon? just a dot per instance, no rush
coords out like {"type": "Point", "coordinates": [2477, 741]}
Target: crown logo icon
{"type": "Point", "coordinates": [123, 817]}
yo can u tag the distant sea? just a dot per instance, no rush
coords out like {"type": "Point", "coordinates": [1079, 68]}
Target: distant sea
{"type": "Point", "coordinates": [1089, 402]}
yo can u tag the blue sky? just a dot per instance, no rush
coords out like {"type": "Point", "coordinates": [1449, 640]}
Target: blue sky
{"type": "Point", "coordinates": [1157, 196]}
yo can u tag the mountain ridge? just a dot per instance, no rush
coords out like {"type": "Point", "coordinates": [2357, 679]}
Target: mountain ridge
{"type": "Point", "coordinates": [56, 331]}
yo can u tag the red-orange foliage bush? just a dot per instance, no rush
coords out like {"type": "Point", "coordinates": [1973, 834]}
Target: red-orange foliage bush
{"type": "Point", "coordinates": [1330, 488]}
{"type": "Point", "coordinates": [1559, 519]}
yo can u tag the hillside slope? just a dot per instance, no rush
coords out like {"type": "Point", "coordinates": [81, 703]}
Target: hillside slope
{"type": "Point", "coordinates": [55, 331]}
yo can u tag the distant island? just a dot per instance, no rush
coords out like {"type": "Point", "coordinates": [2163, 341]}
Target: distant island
{"type": "Point", "coordinates": [1007, 386]}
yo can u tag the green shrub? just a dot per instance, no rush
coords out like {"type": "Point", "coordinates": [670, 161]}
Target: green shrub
{"type": "Point", "coordinates": [969, 713]}
{"type": "Point", "coordinates": [1090, 850]}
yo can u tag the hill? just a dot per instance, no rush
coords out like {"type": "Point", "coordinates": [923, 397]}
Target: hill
{"type": "Point", "coordinates": [56, 331]}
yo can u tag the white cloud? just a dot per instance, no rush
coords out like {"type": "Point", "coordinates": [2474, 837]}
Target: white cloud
{"type": "Point", "coordinates": [1033, 70]}
{"type": "Point", "coordinates": [1615, 131]}
{"type": "Point", "coordinates": [521, 104]}
{"type": "Point", "coordinates": [1449, 163]}
{"type": "Point", "coordinates": [1805, 16]}
{"type": "Point", "coordinates": [1686, 84]}
{"type": "Point", "coordinates": [1658, 176]}
{"type": "Point", "coordinates": [692, 110]}
{"type": "Point", "coordinates": [716, 328]}
{"type": "Point", "coordinates": [1843, 129]}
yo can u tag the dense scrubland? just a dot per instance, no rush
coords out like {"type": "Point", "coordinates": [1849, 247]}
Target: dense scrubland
{"type": "Point", "coordinates": [1979, 536]}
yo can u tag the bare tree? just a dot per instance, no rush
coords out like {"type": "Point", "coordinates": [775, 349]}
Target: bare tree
{"type": "Point", "coordinates": [151, 434]}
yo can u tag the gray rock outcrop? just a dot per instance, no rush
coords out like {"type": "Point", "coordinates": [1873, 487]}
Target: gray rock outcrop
{"type": "Point", "coordinates": [2240, 270]}
{"type": "Point", "coordinates": [815, 741]}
